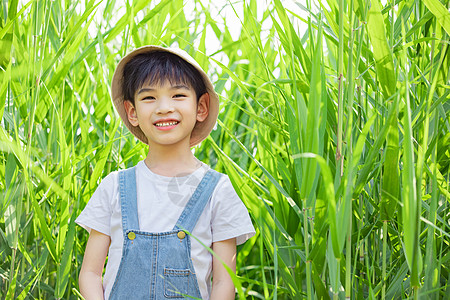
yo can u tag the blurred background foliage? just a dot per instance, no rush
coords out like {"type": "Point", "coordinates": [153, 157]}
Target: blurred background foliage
{"type": "Point", "coordinates": [334, 130]}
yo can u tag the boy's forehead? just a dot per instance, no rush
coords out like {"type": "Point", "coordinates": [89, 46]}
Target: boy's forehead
{"type": "Point", "coordinates": [167, 84]}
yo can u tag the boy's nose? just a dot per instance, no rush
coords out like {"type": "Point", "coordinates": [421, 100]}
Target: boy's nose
{"type": "Point", "coordinates": [164, 106]}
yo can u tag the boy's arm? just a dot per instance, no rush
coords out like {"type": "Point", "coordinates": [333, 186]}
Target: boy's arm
{"type": "Point", "coordinates": [90, 279]}
{"type": "Point", "coordinates": [222, 285]}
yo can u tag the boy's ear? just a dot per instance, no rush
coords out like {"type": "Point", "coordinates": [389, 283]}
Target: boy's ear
{"type": "Point", "coordinates": [203, 107]}
{"type": "Point", "coordinates": [131, 112]}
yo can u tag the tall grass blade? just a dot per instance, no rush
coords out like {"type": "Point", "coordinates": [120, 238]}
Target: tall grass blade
{"type": "Point", "coordinates": [381, 52]}
{"type": "Point", "coordinates": [440, 12]}
{"type": "Point", "coordinates": [411, 204]}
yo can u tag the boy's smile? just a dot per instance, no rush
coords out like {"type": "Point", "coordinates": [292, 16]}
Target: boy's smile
{"type": "Point", "coordinates": [166, 124]}
{"type": "Point", "coordinates": [167, 113]}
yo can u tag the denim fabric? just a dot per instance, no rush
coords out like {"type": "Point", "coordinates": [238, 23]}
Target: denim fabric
{"type": "Point", "coordinates": [158, 265]}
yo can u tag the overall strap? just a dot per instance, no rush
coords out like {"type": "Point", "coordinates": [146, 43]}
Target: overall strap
{"type": "Point", "coordinates": [128, 199]}
{"type": "Point", "coordinates": [196, 204]}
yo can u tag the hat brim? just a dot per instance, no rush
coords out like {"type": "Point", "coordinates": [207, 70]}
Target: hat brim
{"type": "Point", "coordinates": [201, 129]}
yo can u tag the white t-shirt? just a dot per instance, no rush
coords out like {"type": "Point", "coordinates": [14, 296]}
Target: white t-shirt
{"type": "Point", "coordinates": [160, 202]}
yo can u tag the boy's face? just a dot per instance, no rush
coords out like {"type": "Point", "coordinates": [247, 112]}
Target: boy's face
{"type": "Point", "coordinates": [167, 113]}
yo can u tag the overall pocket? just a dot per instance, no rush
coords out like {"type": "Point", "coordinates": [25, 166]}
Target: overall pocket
{"type": "Point", "coordinates": [176, 282]}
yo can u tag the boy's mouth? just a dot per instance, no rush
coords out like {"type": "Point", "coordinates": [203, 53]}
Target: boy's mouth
{"type": "Point", "coordinates": [166, 124]}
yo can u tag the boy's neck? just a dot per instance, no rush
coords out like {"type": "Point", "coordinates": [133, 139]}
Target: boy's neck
{"type": "Point", "coordinates": [171, 161]}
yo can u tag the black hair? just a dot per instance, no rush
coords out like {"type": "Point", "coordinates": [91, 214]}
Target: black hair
{"type": "Point", "coordinates": [155, 68]}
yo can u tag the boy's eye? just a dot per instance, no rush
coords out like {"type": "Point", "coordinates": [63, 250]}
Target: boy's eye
{"type": "Point", "coordinates": [179, 96]}
{"type": "Point", "coordinates": [148, 98]}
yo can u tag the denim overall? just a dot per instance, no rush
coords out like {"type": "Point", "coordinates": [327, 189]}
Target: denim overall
{"type": "Point", "coordinates": [158, 265]}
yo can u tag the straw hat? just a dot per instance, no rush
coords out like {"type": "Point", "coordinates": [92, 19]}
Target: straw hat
{"type": "Point", "coordinates": [201, 129]}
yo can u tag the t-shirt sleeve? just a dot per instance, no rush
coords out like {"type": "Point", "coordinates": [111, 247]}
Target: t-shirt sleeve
{"type": "Point", "coordinates": [229, 218]}
{"type": "Point", "coordinates": [97, 213]}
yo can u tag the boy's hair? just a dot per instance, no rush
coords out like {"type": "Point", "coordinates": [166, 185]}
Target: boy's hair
{"type": "Point", "coordinates": [155, 68]}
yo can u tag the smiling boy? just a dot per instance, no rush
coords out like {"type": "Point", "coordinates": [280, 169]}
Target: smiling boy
{"type": "Point", "coordinates": [138, 217]}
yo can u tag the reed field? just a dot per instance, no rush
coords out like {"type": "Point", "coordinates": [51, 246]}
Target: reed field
{"type": "Point", "coordinates": [334, 129]}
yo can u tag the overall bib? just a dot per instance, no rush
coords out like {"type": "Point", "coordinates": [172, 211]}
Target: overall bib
{"type": "Point", "coordinates": [158, 265]}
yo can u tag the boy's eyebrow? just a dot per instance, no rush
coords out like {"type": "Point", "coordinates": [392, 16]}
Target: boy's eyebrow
{"type": "Point", "coordinates": [143, 90]}
{"type": "Point", "coordinates": [180, 86]}
{"type": "Point", "coordinates": [174, 87]}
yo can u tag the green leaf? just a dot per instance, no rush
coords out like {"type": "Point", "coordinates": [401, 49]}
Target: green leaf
{"type": "Point", "coordinates": [390, 182]}
{"type": "Point", "coordinates": [316, 99]}
{"type": "Point", "coordinates": [102, 156]}
{"type": "Point", "coordinates": [381, 52]}
{"type": "Point", "coordinates": [440, 12]}
{"type": "Point", "coordinates": [411, 203]}
{"type": "Point", "coordinates": [63, 270]}
{"type": "Point", "coordinates": [11, 228]}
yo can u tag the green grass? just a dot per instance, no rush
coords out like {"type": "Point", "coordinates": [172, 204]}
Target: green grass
{"type": "Point", "coordinates": [336, 137]}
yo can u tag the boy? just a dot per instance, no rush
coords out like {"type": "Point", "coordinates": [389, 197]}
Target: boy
{"type": "Point", "coordinates": [142, 217]}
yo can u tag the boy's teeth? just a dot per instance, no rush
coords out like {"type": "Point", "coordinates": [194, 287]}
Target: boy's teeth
{"type": "Point", "coordinates": [162, 124]}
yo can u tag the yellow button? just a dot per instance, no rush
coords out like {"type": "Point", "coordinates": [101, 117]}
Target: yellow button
{"type": "Point", "coordinates": [181, 235]}
{"type": "Point", "coordinates": [131, 235]}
